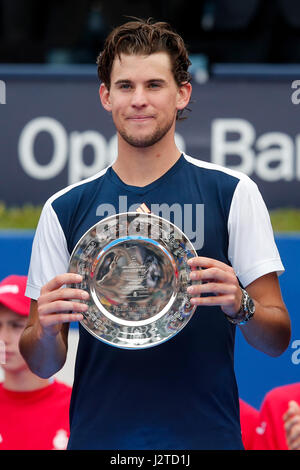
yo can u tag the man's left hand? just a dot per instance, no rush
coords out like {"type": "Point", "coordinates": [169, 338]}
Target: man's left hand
{"type": "Point", "coordinates": [217, 279]}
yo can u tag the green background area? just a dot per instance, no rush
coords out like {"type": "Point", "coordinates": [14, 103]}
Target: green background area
{"type": "Point", "coordinates": [26, 217]}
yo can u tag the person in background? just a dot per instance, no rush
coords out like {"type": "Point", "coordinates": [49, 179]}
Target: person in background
{"type": "Point", "coordinates": [249, 417]}
{"type": "Point", "coordinates": [34, 412]}
{"type": "Point", "coordinates": [279, 419]}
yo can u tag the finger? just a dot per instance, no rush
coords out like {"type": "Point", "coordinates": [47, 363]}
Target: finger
{"type": "Point", "coordinates": [294, 434]}
{"type": "Point", "coordinates": [61, 306]}
{"type": "Point", "coordinates": [203, 262]}
{"type": "Point", "coordinates": [295, 445]}
{"type": "Point", "coordinates": [63, 294]}
{"type": "Point", "coordinates": [215, 288]}
{"type": "Point", "coordinates": [52, 320]}
{"type": "Point", "coordinates": [288, 415]}
{"type": "Point", "coordinates": [293, 408]}
{"type": "Point", "coordinates": [293, 405]}
{"type": "Point", "coordinates": [224, 300]}
{"type": "Point", "coordinates": [291, 422]}
{"type": "Point", "coordinates": [58, 281]}
{"type": "Point", "coordinates": [213, 274]}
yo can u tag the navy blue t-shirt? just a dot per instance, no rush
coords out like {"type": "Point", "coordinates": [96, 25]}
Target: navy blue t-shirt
{"type": "Point", "coordinates": [181, 394]}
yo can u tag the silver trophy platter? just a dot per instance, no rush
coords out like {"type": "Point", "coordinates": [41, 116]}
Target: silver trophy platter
{"type": "Point", "coordinates": [134, 266]}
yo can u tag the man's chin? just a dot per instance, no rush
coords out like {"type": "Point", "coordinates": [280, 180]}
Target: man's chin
{"type": "Point", "coordinates": [141, 142]}
{"type": "Point", "coordinates": [144, 141]}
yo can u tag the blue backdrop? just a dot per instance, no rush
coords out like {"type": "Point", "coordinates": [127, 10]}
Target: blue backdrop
{"type": "Point", "coordinates": [256, 372]}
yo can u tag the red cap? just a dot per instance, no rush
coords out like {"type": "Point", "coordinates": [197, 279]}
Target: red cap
{"type": "Point", "coordinates": [12, 294]}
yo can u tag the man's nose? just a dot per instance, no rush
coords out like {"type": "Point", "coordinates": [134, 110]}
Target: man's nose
{"type": "Point", "coordinates": [139, 98]}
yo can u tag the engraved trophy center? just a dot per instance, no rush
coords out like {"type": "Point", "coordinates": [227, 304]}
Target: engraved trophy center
{"type": "Point", "coordinates": [134, 281]}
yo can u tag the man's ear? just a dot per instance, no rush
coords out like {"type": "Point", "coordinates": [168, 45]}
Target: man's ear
{"type": "Point", "coordinates": [105, 97]}
{"type": "Point", "coordinates": [184, 95]}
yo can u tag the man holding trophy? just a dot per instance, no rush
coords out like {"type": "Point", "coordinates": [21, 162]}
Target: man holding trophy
{"type": "Point", "coordinates": [157, 308]}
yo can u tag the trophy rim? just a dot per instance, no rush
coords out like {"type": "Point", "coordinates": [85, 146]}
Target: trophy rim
{"type": "Point", "coordinates": [141, 323]}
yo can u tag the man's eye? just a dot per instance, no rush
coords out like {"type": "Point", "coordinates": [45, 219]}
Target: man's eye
{"type": "Point", "coordinates": [125, 86]}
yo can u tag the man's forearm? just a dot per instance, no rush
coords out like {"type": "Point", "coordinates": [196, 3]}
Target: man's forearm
{"type": "Point", "coordinates": [44, 355]}
{"type": "Point", "coordinates": [268, 330]}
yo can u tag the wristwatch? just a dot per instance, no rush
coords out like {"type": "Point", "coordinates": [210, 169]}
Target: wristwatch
{"type": "Point", "coordinates": [245, 312]}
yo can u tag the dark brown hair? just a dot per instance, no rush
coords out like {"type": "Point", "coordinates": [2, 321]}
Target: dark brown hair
{"type": "Point", "coordinates": [144, 37]}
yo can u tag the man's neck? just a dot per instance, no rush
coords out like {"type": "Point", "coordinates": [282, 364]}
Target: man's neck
{"type": "Point", "coordinates": [142, 166]}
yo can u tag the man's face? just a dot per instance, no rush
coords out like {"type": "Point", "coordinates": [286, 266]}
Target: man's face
{"type": "Point", "coordinates": [11, 327]}
{"type": "Point", "coordinates": [143, 98]}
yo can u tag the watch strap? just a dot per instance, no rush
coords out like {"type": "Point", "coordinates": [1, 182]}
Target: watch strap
{"type": "Point", "coordinates": [244, 314]}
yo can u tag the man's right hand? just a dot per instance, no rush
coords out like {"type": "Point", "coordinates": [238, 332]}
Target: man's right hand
{"type": "Point", "coordinates": [59, 304]}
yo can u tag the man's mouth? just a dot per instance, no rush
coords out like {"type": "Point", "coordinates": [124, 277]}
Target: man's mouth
{"type": "Point", "coordinates": [139, 117]}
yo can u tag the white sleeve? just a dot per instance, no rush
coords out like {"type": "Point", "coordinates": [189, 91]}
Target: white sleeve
{"type": "Point", "coordinates": [252, 250]}
{"type": "Point", "coordinates": [50, 255]}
